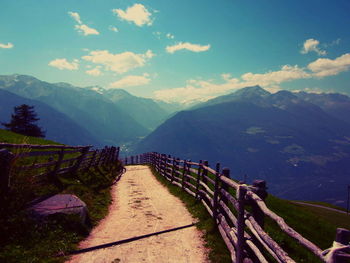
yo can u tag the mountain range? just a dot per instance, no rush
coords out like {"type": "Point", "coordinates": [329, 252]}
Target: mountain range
{"type": "Point", "coordinates": [109, 116]}
{"type": "Point", "coordinates": [297, 142]}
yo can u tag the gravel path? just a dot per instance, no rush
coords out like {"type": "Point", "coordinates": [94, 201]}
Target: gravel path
{"type": "Point", "coordinates": [141, 205]}
{"type": "Point", "coordinates": [320, 206]}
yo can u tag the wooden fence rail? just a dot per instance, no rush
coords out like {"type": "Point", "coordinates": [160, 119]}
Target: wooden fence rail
{"type": "Point", "coordinates": [50, 160]}
{"type": "Point", "coordinates": [227, 202]}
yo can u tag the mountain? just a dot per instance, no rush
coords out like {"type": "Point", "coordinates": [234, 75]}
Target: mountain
{"type": "Point", "coordinates": [145, 111]}
{"type": "Point", "coordinates": [254, 94]}
{"type": "Point", "coordinates": [57, 125]}
{"type": "Point", "coordinates": [298, 148]}
{"type": "Point", "coordinates": [337, 105]}
{"type": "Point", "coordinates": [88, 108]}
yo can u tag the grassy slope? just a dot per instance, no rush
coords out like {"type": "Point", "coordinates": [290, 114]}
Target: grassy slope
{"type": "Point", "coordinates": [11, 137]}
{"type": "Point", "coordinates": [316, 224]}
{"type": "Point", "coordinates": [25, 240]}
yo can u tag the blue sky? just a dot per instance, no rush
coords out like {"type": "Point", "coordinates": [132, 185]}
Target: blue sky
{"type": "Point", "coordinates": [179, 50]}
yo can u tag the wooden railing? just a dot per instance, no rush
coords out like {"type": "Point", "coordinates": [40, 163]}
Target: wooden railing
{"type": "Point", "coordinates": [228, 202]}
{"type": "Point", "coordinates": [50, 160]}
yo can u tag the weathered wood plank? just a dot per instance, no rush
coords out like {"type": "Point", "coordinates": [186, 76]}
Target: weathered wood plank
{"type": "Point", "coordinates": [207, 178]}
{"type": "Point", "coordinates": [34, 146]}
{"type": "Point", "coordinates": [229, 182]}
{"type": "Point", "coordinates": [207, 197]}
{"type": "Point", "coordinates": [230, 198]}
{"type": "Point", "coordinates": [190, 192]}
{"type": "Point", "coordinates": [268, 243]}
{"type": "Point", "coordinates": [286, 228]}
{"type": "Point", "coordinates": [207, 207]}
{"type": "Point", "coordinates": [190, 185]}
{"type": "Point", "coordinates": [228, 243]}
{"type": "Point", "coordinates": [228, 212]}
{"type": "Point", "coordinates": [210, 170]}
{"type": "Point", "coordinates": [207, 188]}
{"type": "Point", "coordinates": [37, 166]}
{"type": "Point", "coordinates": [190, 177]}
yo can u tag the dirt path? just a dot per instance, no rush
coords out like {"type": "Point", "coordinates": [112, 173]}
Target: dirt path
{"type": "Point", "coordinates": [141, 205]}
{"type": "Point", "coordinates": [321, 206]}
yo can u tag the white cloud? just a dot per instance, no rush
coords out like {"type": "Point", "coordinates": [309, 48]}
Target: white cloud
{"type": "Point", "coordinates": [312, 45]}
{"type": "Point", "coordinates": [170, 36]}
{"type": "Point", "coordinates": [130, 81]}
{"type": "Point", "coordinates": [203, 90]}
{"type": "Point", "coordinates": [85, 30]}
{"type": "Point", "coordinates": [137, 14]}
{"type": "Point", "coordinates": [324, 67]}
{"type": "Point", "coordinates": [82, 28]}
{"type": "Point", "coordinates": [188, 46]}
{"type": "Point", "coordinates": [75, 16]}
{"type": "Point", "coordinates": [113, 28]}
{"type": "Point", "coordinates": [7, 46]}
{"type": "Point", "coordinates": [287, 73]}
{"type": "Point", "coordinates": [62, 63]}
{"type": "Point", "coordinates": [119, 63]}
{"type": "Point", "coordinates": [94, 72]}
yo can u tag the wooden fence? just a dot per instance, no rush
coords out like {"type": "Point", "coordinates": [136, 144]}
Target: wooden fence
{"type": "Point", "coordinates": [228, 202]}
{"type": "Point", "coordinates": [50, 161]}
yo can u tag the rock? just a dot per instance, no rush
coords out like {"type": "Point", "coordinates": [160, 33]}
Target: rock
{"type": "Point", "coordinates": [61, 204]}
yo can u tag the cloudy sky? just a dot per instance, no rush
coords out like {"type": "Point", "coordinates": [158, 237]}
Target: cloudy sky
{"type": "Point", "coordinates": [179, 50]}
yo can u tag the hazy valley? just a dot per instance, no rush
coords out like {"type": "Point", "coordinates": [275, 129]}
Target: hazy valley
{"type": "Point", "coordinates": [298, 142]}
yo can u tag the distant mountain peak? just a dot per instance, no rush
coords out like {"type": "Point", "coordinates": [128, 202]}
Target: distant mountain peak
{"type": "Point", "coordinates": [252, 91]}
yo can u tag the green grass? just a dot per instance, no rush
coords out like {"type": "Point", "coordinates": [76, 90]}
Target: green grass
{"type": "Point", "coordinates": [24, 239]}
{"type": "Point", "coordinates": [315, 224]}
{"type": "Point", "coordinates": [217, 248]}
{"type": "Point", "coordinates": [11, 137]}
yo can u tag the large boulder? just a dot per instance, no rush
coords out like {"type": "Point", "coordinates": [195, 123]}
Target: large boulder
{"type": "Point", "coordinates": [61, 204]}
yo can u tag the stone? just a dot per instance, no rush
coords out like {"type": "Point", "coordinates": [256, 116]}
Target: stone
{"type": "Point", "coordinates": [61, 204]}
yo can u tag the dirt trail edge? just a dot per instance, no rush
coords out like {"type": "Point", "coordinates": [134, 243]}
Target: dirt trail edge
{"type": "Point", "coordinates": [141, 205]}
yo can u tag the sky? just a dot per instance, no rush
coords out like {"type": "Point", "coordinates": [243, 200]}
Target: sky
{"type": "Point", "coordinates": [179, 51]}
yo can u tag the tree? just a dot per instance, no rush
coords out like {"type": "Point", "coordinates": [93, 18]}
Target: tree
{"type": "Point", "coordinates": [23, 121]}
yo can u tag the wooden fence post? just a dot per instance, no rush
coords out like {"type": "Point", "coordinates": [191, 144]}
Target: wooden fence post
{"type": "Point", "coordinates": [342, 237]}
{"type": "Point", "coordinates": [199, 172]}
{"type": "Point", "coordinates": [100, 157]}
{"type": "Point", "coordinates": [117, 154]}
{"type": "Point", "coordinates": [111, 156]}
{"type": "Point", "coordinates": [188, 170]}
{"type": "Point", "coordinates": [240, 224]}
{"type": "Point", "coordinates": [5, 168]}
{"type": "Point", "coordinates": [259, 188]}
{"type": "Point", "coordinates": [183, 175]}
{"type": "Point", "coordinates": [53, 175]}
{"type": "Point", "coordinates": [163, 163]}
{"type": "Point", "coordinates": [132, 159]}
{"type": "Point", "coordinates": [216, 191]}
{"type": "Point", "coordinates": [226, 173]}
{"type": "Point", "coordinates": [92, 160]}
{"type": "Point", "coordinates": [173, 170]}
{"type": "Point", "coordinates": [81, 158]}
{"type": "Point", "coordinates": [205, 172]}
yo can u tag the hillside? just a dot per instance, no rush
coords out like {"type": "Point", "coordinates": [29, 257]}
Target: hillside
{"type": "Point", "coordinates": [145, 111]}
{"type": "Point", "coordinates": [23, 237]}
{"type": "Point", "coordinates": [298, 148]}
{"type": "Point", "coordinates": [12, 137]}
{"type": "Point", "coordinates": [58, 126]}
{"type": "Point", "coordinates": [89, 109]}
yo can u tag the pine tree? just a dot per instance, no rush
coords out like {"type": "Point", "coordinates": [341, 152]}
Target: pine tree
{"type": "Point", "coordinates": [23, 121]}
